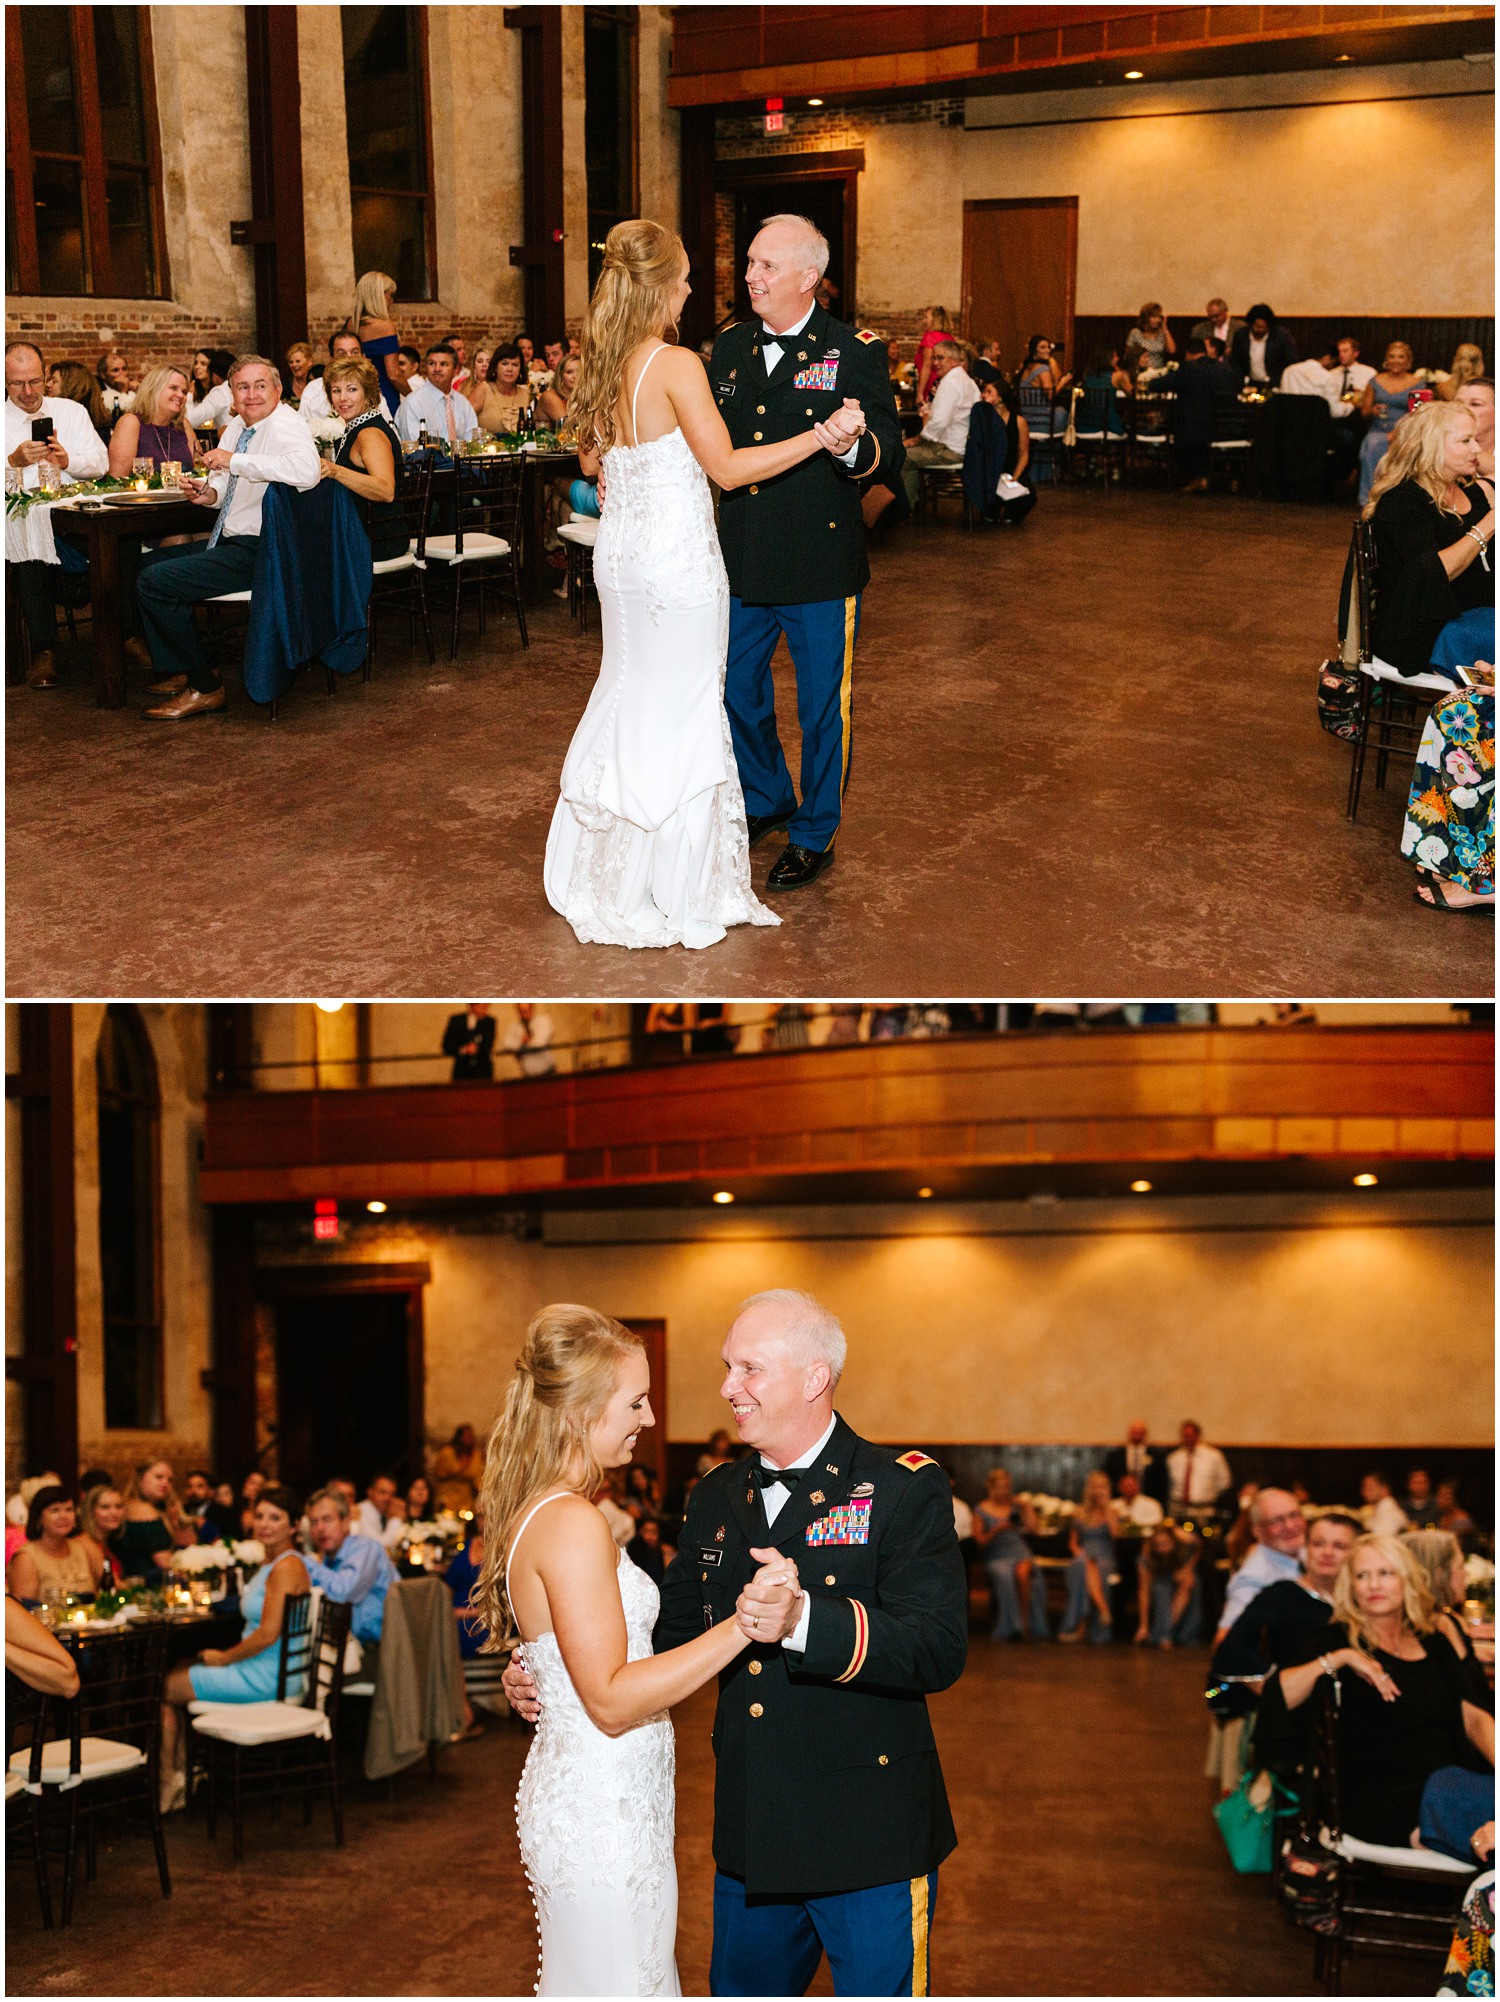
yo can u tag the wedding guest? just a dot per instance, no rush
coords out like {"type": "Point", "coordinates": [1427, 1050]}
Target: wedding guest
{"type": "Point", "coordinates": [1260, 349]}
{"type": "Point", "coordinates": [480, 1669]}
{"type": "Point", "coordinates": [299, 367]}
{"type": "Point", "coordinates": [1381, 1514]}
{"type": "Point", "coordinates": [1139, 1457]}
{"type": "Point", "coordinates": [72, 381]}
{"type": "Point", "coordinates": [314, 401]}
{"type": "Point", "coordinates": [248, 1671]}
{"type": "Point", "coordinates": [1041, 370]}
{"type": "Point", "coordinates": [101, 1516]}
{"type": "Point", "coordinates": [352, 1570]}
{"type": "Point", "coordinates": [1452, 1516]}
{"type": "Point", "coordinates": [115, 384]}
{"type": "Point", "coordinates": [1466, 366]}
{"type": "Point", "coordinates": [1217, 324]}
{"type": "Point", "coordinates": [370, 321]}
{"type": "Point", "coordinates": [1203, 386]}
{"type": "Point", "coordinates": [1280, 1530]}
{"type": "Point", "coordinates": [55, 1562]}
{"type": "Point", "coordinates": [528, 1039]}
{"type": "Point", "coordinates": [1351, 375]}
{"type": "Point", "coordinates": [157, 428]}
{"type": "Point", "coordinates": [37, 1656]}
{"type": "Point", "coordinates": [997, 458]}
{"type": "Point", "coordinates": [77, 452]}
{"type": "Point", "coordinates": [719, 1453]}
{"type": "Point", "coordinates": [173, 583]}
{"type": "Point", "coordinates": [381, 1516]}
{"type": "Point", "coordinates": [554, 353]}
{"type": "Point", "coordinates": [433, 406]}
{"type": "Point", "coordinates": [528, 355]}
{"type": "Point", "coordinates": [406, 368]}
{"type": "Point", "coordinates": [1169, 1592]}
{"type": "Point", "coordinates": [499, 400]}
{"type": "Point", "coordinates": [368, 459]}
{"type": "Point", "coordinates": [421, 1500]}
{"type": "Point", "coordinates": [1001, 1526]}
{"type": "Point", "coordinates": [937, 326]}
{"type": "Point", "coordinates": [458, 1470]}
{"type": "Point", "coordinates": [552, 405]}
{"type": "Point", "coordinates": [212, 400]}
{"type": "Point", "coordinates": [945, 433]}
{"type": "Point", "coordinates": [1439, 1561]}
{"type": "Point", "coordinates": [1091, 1565]}
{"type": "Point", "coordinates": [1134, 1508]}
{"type": "Point", "coordinates": [1197, 1474]}
{"type": "Point", "coordinates": [469, 1039]}
{"type": "Point", "coordinates": [1273, 1623]}
{"type": "Point", "coordinates": [460, 347]}
{"type": "Point", "coordinates": [250, 1488]}
{"type": "Point", "coordinates": [1419, 1503]}
{"type": "Point", "coordinates": [1150, 342]}
{"type": "Point", "coordinates": [1480, 398]}
{"type": "Point", "coordinates": [1387, 399]}
{"type": "Point", "coordinates": [18, 1507]}
{"type": "Point", "coordinates": [154, 1524]}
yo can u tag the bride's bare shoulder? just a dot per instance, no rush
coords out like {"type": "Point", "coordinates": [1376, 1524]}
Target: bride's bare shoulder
{"type": "Point", "coordinates": [569, 1525]}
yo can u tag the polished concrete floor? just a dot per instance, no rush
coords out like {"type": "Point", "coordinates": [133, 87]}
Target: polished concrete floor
{"type": "Point", "coordinates": [1087, 1865]}
{"type": "Point", "coordinates": [1086, 762]}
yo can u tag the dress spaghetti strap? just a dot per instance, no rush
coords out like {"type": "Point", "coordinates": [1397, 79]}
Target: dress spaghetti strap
{"type": "Point", "coordinates": [635, 432]}
{"type": "Point", "coordinates": [511, 1554]}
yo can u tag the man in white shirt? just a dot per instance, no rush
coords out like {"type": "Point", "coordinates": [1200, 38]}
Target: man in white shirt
{"type": "Point", "coordinates": [313, 402]}
{"type": "Point", "coordinates": [382, 1514]}
{"type": "Point", "coordinates": [1198, 1474]}
{"type": "Point", "coordinates": [77, 451]}
{"type": "Point", "coordinates": [1349, 373]}
{"type": "Point", "coordinates": [1382, 1514]}
{"type": "Point", "coordinates": [1217, 323]}
{"type": "Point", "coordinates": [529, 1041]}
{"type": "Point", "coordinates": [946, 432]}
{"type": "Point", "coordinates": [116, 383]}
{"type": "Point", "coordinates": [433, 405]}
{"type": "Point", "coordinates": [266, 441]}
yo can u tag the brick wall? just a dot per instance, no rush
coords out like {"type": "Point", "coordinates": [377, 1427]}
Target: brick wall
{"type": "Point", "coordinates": [145, 330]}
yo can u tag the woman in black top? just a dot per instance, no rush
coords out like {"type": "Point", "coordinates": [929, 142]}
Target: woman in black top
{"type": "Point", "coordinates": [368, 461]}
{"type": "Point", "coordinates": [1434, 521]}
{"type": "Point", "coordinates": [1276, 1622]}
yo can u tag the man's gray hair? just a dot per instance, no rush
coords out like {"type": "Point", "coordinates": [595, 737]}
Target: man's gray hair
{"type": "Point", "coordinates": [251, 361]}
{"type": "Point", "coordinates": [335, 1495]}
{"type": "Point", "coordinates": [814, 246]}
{"type": "Point", "coordinates": [813, 1332]}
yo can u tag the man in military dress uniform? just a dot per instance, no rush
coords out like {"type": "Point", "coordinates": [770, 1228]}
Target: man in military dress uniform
{"type": "Point", "coordinates": [794, 546]}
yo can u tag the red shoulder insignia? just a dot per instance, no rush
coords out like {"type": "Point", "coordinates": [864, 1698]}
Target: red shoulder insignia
{"type": "Point", "coordinates": [867, 337]}
{"type": "Point", "coordinates": [911, 1461]}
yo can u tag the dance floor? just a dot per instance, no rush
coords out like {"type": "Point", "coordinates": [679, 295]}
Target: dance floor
{"type": "Point", "coordinates": [1086, 761]}
{"type": "Point", "coordinates": [1087, 1865]}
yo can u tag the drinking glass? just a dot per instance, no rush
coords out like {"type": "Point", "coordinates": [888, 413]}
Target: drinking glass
{"type": "Point", "coordinates": [171, 473]}
{"type": "Point", "coordinates": [48, 478]}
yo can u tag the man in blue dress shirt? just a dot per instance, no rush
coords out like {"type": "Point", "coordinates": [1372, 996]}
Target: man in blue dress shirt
{"type": "Point", "coordinates": [352, 1570]}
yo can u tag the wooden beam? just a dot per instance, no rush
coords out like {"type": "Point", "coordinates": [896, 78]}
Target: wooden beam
{"type": "Point", "coordinates": [276, 228]}
{"type": "Point", "coordinates": [47, 1367]}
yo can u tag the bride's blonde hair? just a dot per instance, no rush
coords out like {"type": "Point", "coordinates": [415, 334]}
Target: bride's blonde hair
{"type": "Point", "coordinates": [564, 1377]}
{"type": "Point", "coordinates": [642, 266]}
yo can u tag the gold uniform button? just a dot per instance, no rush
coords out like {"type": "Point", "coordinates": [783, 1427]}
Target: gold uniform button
{"type": "Point", "coordinates": [757, 1710]}
{"type": "Point", "coordinates": [884, 1760]}
{"type": "Point", "coordinates": [829, 1579]}
{"type": "Point", "coordinates": [755, 1668]}
{"type": "Point", "coordinates": [833, 524]}
{"type": "Point", "coordinates": [758, 436]}
{"type": "Point", "coordinates": [755, 490]}
{"type": "Point", "coordinates": [809, 410]}
{"type": "Point", "coordinates": [760, 410]}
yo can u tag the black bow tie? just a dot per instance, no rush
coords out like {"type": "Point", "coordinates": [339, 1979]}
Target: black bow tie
{"type": "Point", "coordinates": [768, 1477]}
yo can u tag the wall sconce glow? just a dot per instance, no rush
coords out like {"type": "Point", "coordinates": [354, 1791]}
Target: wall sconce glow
{"type": "Point", "coordinates": [376, 1209]}
{"type": "Point", "coordinates": [924, 1194]}
{"type": "Point", "coordinates": [1140, 1188]}
{"type": "Point", "coordinates": [1343, 59]}
{"type": "Point", "coordinates": [723, 1196]}
{"type": "Point", "coordinates": [330, 1007]}
{"type": "Point", "coordinates": [1134, 76]}
{"type": "Point", "coordinates": [1366, 1181]}
{"type": "Point", "coordinates": [815, 100]}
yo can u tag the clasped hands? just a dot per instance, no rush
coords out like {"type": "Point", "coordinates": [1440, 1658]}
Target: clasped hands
{"type": "Point", "coordinates": [839, 431]}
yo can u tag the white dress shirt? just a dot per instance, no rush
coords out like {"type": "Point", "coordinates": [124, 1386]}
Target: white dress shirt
{"type": "Point", "coordinates": [367, 1520]}
{"type": "Point", "coordinates": [430, 406]}
{"type": "Point", "coordinates": [216, 408]}
{"type": "Point", "coordinates": [88, 455]}
{"type": "Point", "coordinates": [1261, 1568]}
{"type": "Point", "coordinates": [313, 402]}
{"type": "Point", "coordinates": [773, 1500]}
{"type": "Point", "coordinates": [1258, 359]}
{"type": "Point", "coordinates": [1385, 1517]}
{"type": "Point", "coordinates": [948, 419]}
{"type": "Point", "coordinates": [771, 346]}
{"type": "Point", "coordinates": [282, 449]}
{"type": "Point", "coordinates": [1200, 1484]}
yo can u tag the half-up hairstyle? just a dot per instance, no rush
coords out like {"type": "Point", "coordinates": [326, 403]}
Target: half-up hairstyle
{"type": "Point", "coordinates": [642, 265]}
{"type": "Point", "coordinates": [564, 1377]}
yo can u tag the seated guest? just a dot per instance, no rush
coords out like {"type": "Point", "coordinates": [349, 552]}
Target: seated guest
{"type": "Point", "coordinates": [1169, 1596]}
{"type": "Point", "coordinates": [368, 460]}
{"type": "Point", "coordinates": [1103, 381]}
{"type": "Point", "coordinates": [641, 1498]}
{"type": "Point", "coordinates": [458, 1470]}
{"type": "Point", "coordinates": [1466, 366]}
{"type": "Point", "coordinates": [352, 1570]}
{"type": "Point", "coordinates": [553, 353]}
{"type": "Point", "coordinates": [115, 382]}
{"type": "Point", "coordinates": [1218, 324]}
{"type": "Point", "coordinates": [945, 432]}
{"type": "Point", "coordinates": [154, 1524]}
{"type": "Point", "coordinates": [499, 401]}
{"type": "Point", "coordinates": [1133, 1507]}
{"type": "Point", "coordinates": [480, 371]}
{"type": "Point", "coordinates": [552, 404]}
{"type": "Point", "coordinates": [406, 368]}
{"type": "Point", "coordinates": [645, 1549]}
{"type": "Point", "coordinates": [1197, 1474]}
{"type": "Point", "coordinates": [1202, 386]}
{"type": "Point", "coordinates": [381, 1515]}
{"type": "Point", "coordinates": [1139, 1457]}
{"type": "Point", "coordinates": [1414, 1754]}
{"type": "Point", "coordinates": [250, 1488]}
{"type": "Point", "coordinates": [197, 1495]}
{"type": "Point", "coordinates": [1419, 1503]}
{"type": "Point", "coordinates": [157, 428]}
{"type": "Point", "coordinates": [1260, 349]}
{"type": "Point", "coordinates": [1280, 1534]}
{"type": "Point", "coordinates": [1381, 1512]}
{"type": "Point", "coordinates": [77, 452]}
{"type": "Point", "coordinates": [1150, 342]}
{"type": "Point", "coordinates": [36, 1656]}
{"type": "Point", "coordinates": [1351, 375]}
{"type": "Point", "coordinates": [314, 401]}
{"type": "Point", "coordinates": [371, 323]}
{"type": "Point", "coordinates": [1387, 399]}
{"type": "Point", "coordinates": [1239, 1538]}
{"type": "Point", "coordinates": [1041, 369]}
{"type": "Point", "coordinates": [720, 1452]}
{"type": "Point", "coordinates": [433, 405]}
{"type": "Point", "coordinates": [299, 371]}
{"type": "Point", "coordinates": [985, 364]}
{"type": "Point", "coordinates": [460, 348]}
{"type": "Point", "coordinates": [481, 1671]}
{"type": "Point", "coordinates": [265, 442]}
{"type": "Point", "coordinates": [1448, 832]}
{"type": "Point", "coordinates": [55, 1562]}
{"type": "Point", "coordinates": [997, 458]}
{"type": "Point", "coordinates": [469, 1038]}
{"type": "Point", "coordinates": [101, 1517]}
{"type": "Point", "coordinates": [1274, 1622]}
{"type": "Point", "coordinates": [936, 326]}
{"type": "Point", "coordinates": [421, 1500]}
{"type": "Point", "coordinates": [1091, 1565]}
{"type": "Point", "coordinates": [1439, 1560]}
{"type": "Point", "coordinates": [1452, 1516]}
{"type": "Point", "coordinates": [70, 379]}
{"type": "Point", "coordinates": [1001, 1526]}
{"type": "Point", "coordinates": [246, 1672]}
{"type": "Point", "coordinates": [212, 400]}
{"type": "Point", "coordinates": [1480, 398]}
{"type": "Point", "coordinates": [528, 355]}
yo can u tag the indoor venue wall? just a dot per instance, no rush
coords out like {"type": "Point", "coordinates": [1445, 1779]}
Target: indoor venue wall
{"type": "Point", "coordinates": [296, 1046]}
{"type": "Point", "coordinates": [15, 1331]}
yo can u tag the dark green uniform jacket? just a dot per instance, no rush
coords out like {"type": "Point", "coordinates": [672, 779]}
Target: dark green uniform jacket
{"type": "Point", "coordinates": [800, 537]}
{"type": "Point", "coordinates": [828, 1777]}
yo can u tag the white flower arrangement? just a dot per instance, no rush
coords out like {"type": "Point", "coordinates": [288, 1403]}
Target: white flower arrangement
{"type": "Point", "coordinates": [325, 430]}
{"type": "Point", "coordinates": [1478, 1570]}
{"type": "Point", "coordinates": [248, 1552]}
{"type": "Point", "coordinates": [424, 1532]}
{"type": "Point", "coordinates": [202, 1557]}
{"type": "Point", "coordinates": [1157, 374]}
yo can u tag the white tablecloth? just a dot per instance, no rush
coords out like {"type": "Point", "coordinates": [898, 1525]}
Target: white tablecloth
{"type": "Point", "coordinates": [28, 536]}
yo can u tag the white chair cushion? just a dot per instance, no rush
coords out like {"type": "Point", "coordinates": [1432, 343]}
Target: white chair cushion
{"type": "Point", "coordinates": [14, 1784]}
{"type": "Point", "coordinates": [1423, 1861]}
{"type": "Point", "coordinates": [1381, 670]}
{"type": "Point", "coordinates": [478, 545]}
{"type": "Point", "coordinates": [359, 1689]}
{"type": "Point", "coordinates": [406, 561]}
{"type": "Point", "coordinates": [98, 1759]}
{"type": "Point", "coordinates": [1231, 444]}
{"type": "Point", "coordinates": [1149, 438]}
{"type": "Point", "coordinates": [260, 1723]}
{"type": "Point", "coordinates": [231, 598]}
{"type": "Point", "coordinates": [582, 528]}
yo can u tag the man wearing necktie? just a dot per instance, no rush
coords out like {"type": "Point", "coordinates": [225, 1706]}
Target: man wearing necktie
{"type": "Point", "coordinates": [1198, 1474]}
{"type": "Point", "coordinates": [434, 403]}
{"type": "Point", "coordinates": [265, 441]}
{"type": "Point", "coordinates": [830, 1813]}
{"type": "Point", "coordinates": [794, 546]}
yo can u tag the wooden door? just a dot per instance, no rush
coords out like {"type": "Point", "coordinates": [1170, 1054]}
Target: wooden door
{"type": "Point", "coordinates": [1020, 269]}
{"type": "Point", "coordinates": [651, 1446]}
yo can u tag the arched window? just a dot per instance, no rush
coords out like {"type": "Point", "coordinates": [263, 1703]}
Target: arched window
{"type": "Point", "coordinates": [129, 1222]}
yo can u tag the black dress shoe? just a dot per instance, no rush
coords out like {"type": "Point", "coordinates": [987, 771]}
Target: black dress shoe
{"type": "Point", "coordinates": [797, 866]}
{"type": "Point", "coordinates": [759, 825]}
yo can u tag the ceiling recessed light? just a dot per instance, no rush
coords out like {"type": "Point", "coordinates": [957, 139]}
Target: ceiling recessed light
{"type": "Point", "coordinates": [924, 1193]}
{"type": "Point", "coordinates": [1141, 1188]}
{"type": "Point", "coordinates": [1366, 1181]}
{"type": "Point", "coordinates": [376, 1209]}
{"type": "Point", "coordinates": [815, 100]}
{"type": "Point", "coordinates": [723, 1196]}
{"type": "Point", "coordinates": [1343, 59]}
{"type": "Point", "coordinates": [1134, 76]}
{"type": "Point", "coordinates": [330, 1007]}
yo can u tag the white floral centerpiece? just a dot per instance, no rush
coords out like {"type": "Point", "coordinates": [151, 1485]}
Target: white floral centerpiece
{"type": "Point", "coordinates": [1053, 1514]}
{"type": "Point", "coordinates": [1479, 1571]}
{"type": "Point", "coordinates": [325, 430]}
{"type": "Point", "coordinates": [1148, 375]}
{"type": "Point", "coordinates": [202, 1557]}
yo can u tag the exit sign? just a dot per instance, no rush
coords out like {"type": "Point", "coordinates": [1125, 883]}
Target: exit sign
{"type": "Point", "coordinates": [325, 1218]}
{"type": "Point", "coordinates": [775, 121]}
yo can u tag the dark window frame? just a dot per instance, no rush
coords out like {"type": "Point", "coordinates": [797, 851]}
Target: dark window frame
{"type": "Point", "coordinates": [424, 194]}
{"type": "Point", "coordinates": [98, 263]}
{"type": "Point", "coordinates": [153, 1325]}
{"type": "Point", "coordinates": [625, 18]}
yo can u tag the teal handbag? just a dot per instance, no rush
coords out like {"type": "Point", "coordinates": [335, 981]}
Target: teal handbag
{"type": "Point", "coordinates": [1246, 1821]}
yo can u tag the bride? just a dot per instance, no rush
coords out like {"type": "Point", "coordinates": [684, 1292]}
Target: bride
{"type": "Point", "coordinates": [596, 1807]}
{"type": "Point", "coordinates": [648, 843]}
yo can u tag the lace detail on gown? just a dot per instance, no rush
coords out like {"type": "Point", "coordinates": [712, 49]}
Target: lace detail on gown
{"type": "Point", "coordinates": [648, 845]}
{"type": "Point", "coordinates": [596, 1817]}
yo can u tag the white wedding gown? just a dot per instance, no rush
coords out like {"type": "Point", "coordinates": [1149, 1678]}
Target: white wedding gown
{"type": "Point", "coordinates": [596, 1817]}
{"type": "Point", "coordinates": [648, 843]}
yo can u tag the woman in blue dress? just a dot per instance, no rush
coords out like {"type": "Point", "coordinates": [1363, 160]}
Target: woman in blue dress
{"type": "Point", "coordinates": [1001, 1525]}
{"type": "Point", "coordinates": [1091, 1565]}
{"type": "Point", "coordinates": [245, 1673]}
{"type": "Point", "coordinates": [371, 323]}
{"type": "Point", "coordinates": [1387, 399]}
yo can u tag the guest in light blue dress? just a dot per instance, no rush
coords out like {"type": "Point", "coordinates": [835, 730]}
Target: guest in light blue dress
{"type": "Point", "coordinates": [1171, 1592]}
{"type": "Point", "coordinates": [1387, 399]}
{"type": "Point", "coordinates": [1001, 1525]}
{"type": "Point", "coordinates": [1091, 1566]}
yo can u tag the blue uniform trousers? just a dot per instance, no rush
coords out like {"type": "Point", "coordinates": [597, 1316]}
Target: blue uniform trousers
{"type": "Point", "coordinates": [821, 638]}
{"type": "Point", "coordinates": [876, 1940]}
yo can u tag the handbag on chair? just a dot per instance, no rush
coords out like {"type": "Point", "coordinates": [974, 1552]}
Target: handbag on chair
{"type": "Point", "coordinates": [1246, 1821]}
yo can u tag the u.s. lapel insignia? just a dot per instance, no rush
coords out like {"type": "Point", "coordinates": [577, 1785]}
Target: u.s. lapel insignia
{"type": "Point", "coordinates": [830, 1468]}
{"type": "Point", "coordinates": [719, 1534]}
{"type": "Point", "coordinates": [862, 1488]}
{"type": "Point", "coordinates": [816, 1496]}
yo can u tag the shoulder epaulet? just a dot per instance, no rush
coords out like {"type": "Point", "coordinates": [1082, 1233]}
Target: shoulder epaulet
{"type": "Point", "coordinates": [911, 1461]}
{"type": "Point", "coordinates": [866, 337]}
